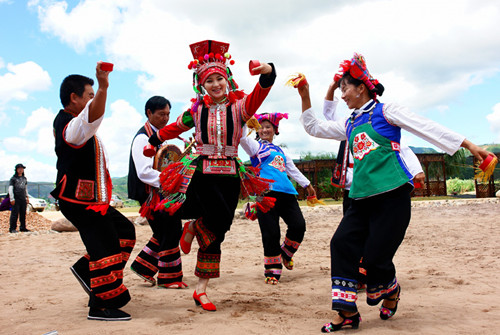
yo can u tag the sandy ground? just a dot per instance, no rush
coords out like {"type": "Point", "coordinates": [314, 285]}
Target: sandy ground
{"type": "Point", "coordinates": [448, 267]}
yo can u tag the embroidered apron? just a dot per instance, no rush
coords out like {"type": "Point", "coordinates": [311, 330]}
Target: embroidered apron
{"type": "Point", "coordinates": [376, 166]}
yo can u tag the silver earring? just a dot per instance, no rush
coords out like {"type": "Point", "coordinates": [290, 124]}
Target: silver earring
{"type": "Point", "coordinates": [357, 96]}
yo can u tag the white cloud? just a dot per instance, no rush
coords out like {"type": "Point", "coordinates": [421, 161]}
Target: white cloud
{"type": "Point", "coordinates": [40, 118]}
{"type": "Point", "coordinates": [494, 120]}
{"type": "Point", "coordinates": [426, 53]}
{"type": "Point", "coordinates": [4, 119]}
{"type": "Point", "coordinates": [21, 80]}
{"type": "Point", "coordinates": [117, 132]}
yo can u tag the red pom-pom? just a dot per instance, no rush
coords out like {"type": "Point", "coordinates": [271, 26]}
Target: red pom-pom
{"type": "Point", "coordinates": [200, 59]}
{"type": "Point", "coordinates": [217, 56]}
{"type": "Point", "coordinates": [211, 55]}
{"type": "Point", "coordinates": [239, 94]}
{"type": "Point", "coordinates": [190, 66]}
{"type": "Point", "coordinates": [231, 62]}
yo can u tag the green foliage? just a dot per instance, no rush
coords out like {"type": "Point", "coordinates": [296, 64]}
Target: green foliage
{"type": "Point", "coordinates": [120, 187]}
{"type": "Point", "coordinates": [309, 156]}
{"type": "Point", "coordinates": [459, 186]}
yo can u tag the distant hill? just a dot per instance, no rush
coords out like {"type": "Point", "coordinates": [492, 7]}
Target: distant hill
{"type": "Point", "coordinates": [422, 150]}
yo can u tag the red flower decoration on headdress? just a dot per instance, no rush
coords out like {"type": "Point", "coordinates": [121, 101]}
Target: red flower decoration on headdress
{"type": "Point", "coordinates": [356, 67]}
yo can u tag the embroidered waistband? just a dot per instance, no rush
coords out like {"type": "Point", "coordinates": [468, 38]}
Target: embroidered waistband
{"type": "Point", "coordinates": [210, 150]}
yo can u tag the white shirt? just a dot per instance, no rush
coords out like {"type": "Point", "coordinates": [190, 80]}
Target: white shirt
{"type": "Point", "coordinates": [251, 147]}
{"type": "Point", "coordinates": [407, 155]}
{"type": "Point", "coordinates": [143, 164]}
{"type": "Point", "coordinates": [440, 136]}
{"type": "Point", "coordinates": [79, 130]}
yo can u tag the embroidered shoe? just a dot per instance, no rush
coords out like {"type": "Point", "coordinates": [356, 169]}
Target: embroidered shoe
{"type": "Point", "coordinates": [352, 321]}
{"type": "Point", "coordinates": [272, 280]}
{"type": "Point", "coordinates": [108, 314]}
{"type": "Point", "coordinates": [385, 312]}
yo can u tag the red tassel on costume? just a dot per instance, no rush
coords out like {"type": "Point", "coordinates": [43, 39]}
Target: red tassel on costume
{"type": "Point", "coordinates": [232, 97]}
{"type": "Point", "coordinates": [250, 212]}
{"type": "Point", "coordinates": [239, 94]}
{"type": "Point", "coordinates": [148, 207]}
{"type": "Point", "coordinates": [173, 208]}
{"type": "Point", "coordinates": [207, 100]}
{"type": "Point", "coordinates": [99, 208]}
{"type": "Point", "coordinates": [266, 204]}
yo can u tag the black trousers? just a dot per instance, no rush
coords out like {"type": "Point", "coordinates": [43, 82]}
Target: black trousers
{"type": "Point", "coordinates": [286, 207]}
{"type": "Point", "coordinates": [372, 228]}
{"type": "Point", "coordinates": [161, 254]}
{"type": "Point", "coordinates": [109, 240]}
{"type": "Point", "coordinates": [213, 198]}
{"type": "Point", "coordinates": [18, 210]}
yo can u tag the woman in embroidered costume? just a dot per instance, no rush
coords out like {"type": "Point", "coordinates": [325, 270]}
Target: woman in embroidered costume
{"type": "Point", "coordinates": [375, 224]}
{"type": "Point", "coordinates": [205, 186]}
{"type": "Point", "coordinates": [274, 164]}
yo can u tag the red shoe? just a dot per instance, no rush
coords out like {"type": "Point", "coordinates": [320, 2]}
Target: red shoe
{"type": "Point", "coordinates": [208, 306]}
{"type": "Point", "coordinates": [185, 246]}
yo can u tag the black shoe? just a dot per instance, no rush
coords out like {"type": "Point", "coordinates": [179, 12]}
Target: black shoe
{"type": "Point", "coordinates": [13, 231]}
{"type": "Point", "coordinates": [82, 282]}
{"type": "Point", "coordinates": [108, 314]}
{"type": "Point", "coordinates": [25, 230]}
{"type": "Point", "coordinates": [352, 321]}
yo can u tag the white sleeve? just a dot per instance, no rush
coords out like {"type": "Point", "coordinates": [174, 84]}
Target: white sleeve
{"type": "Point", "coordinates": [411, 160]}
{"type": "Point", "coordinates": [11, 192]}
{"type": "Point", "coordinates": [79, 130]}
{"type": "Point", "coordinates": [294, 172]}
{"type": "Point", "coordinates": [329, 109]}
{"type": "Point", "coordinates": [434, 133]}
{"type": "Point", "coordinates": [248, 143]}
{"type": "Point", "coordinates": [322, 129]}
{"type": "Point", "coordinates": [143, 164]}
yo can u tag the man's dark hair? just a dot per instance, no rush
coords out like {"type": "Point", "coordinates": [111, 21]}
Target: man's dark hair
{"type": "Point", "coordinates": [155, 103]}
{"type": "Point", "coordinates": [73, 83]}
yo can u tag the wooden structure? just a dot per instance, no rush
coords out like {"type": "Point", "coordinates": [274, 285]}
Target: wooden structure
{"type": "Point", "coordinates": [485, 190]}
{"type": "Point", "coordinates": [431, 187]}
{"type": "Point", "coordinates": [317, 170]}
{"type": "Point", "coordinates": [312, 170]}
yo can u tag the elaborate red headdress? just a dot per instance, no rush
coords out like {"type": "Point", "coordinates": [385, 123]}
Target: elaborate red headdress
{"type": "Point", "coordinates": [212, 57]}
{"type": "Point", "coordinates": [356, 67]}
{"type": "Point", "coordinates": [274, 118]}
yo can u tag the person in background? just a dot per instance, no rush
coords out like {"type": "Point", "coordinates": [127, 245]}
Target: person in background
{"type": "Point", "coordinates": [276, 165]}
{"type": "Point", "coordinates": [161, 254]}
{"type": "Point", "coordinates": [18, 194]}
{"type": "Point", "coordinates": [83, 189]}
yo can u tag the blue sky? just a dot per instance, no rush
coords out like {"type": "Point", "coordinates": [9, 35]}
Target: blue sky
{"type": "Point", "coordinates": [439, 58]}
